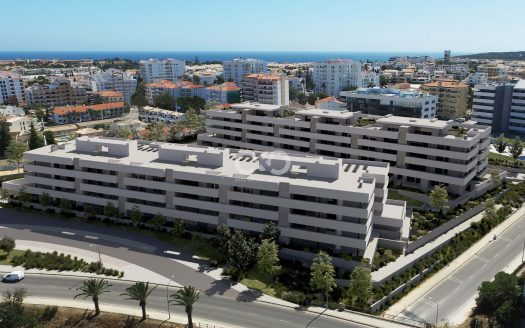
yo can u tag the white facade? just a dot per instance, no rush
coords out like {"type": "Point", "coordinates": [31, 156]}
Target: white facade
{"type": "Point", "coordinates": [270, 89]}
{"type": "Point", "coordinates": [484, 103]}
{"type": "Point", "coordinates": [476, 78]}
{"type": "Point", "coordinates": [11, 84]}
{"type": "Point", "coordinates": [159, 115]}
{"type": "Point", "coordinates": [369, 78]}
{"type": "Point", "coordinates": [115, 80]}
{"type": "Point", "coordinates": [235, 70]}
{"type": "Point", "coordinates": [333, 203]}
{"type": "Point", "coordinates": [331, 76]}
{"type": "Point", "coordinates": [421, 152]}
{"type": "Point", "coordinates": [154, 70]}
{"type": "Point", "coordinates": [11, 111]}
{"type": "Point", "coordinates": [20, 125]}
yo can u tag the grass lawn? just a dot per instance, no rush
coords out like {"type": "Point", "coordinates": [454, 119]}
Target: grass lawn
{"type": "Point", "coordinates": [392, 194]}
{"type": "Point", "coordinates": [6, 260]}
{"type": "Point", "coordinates": [262, 282]}
{"type": "Point", "coordinates": [500, 157]}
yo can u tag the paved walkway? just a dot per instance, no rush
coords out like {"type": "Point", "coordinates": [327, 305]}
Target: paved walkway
{"type": "Point", "coordinates": [444, 273]}
{"type": "Point", "coordinates": [406, 261]}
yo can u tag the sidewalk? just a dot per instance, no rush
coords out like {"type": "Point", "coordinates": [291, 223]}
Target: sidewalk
{"type": "Point", "coordinates": [127, 310]}
{"type": "Point", "coordinates": [430, 283]}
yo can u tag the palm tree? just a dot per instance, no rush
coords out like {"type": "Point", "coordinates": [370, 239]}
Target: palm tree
{"type": "Point", "coordinates": [186, 296]}
{"type": "Point", "coordinates": [93, 288]}
{"type": "Point", "coordinates": [139, 292]}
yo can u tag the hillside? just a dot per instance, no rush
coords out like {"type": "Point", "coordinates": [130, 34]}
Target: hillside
{"type": "Point", "coordinates": [514, 55]}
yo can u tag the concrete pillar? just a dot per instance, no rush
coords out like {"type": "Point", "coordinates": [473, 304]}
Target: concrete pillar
{"type": "Point", "coordinates": [223, 199]}
{"type": "Point", "coordinates": [284, 192]}
{"type": "Point", "coordinates": [243, 132]}
{"type": "Point", "coordinates": [354, 140]}
{"type": "Point", "coordinates": [313, 129]}
{"type": "Point", "coordinates": [121, 185]}
{"type": "Point", "coordinates": [170, 178]}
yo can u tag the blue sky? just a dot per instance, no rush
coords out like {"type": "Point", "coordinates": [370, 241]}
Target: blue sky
{"type": "Point", "coordinates": [263, 25]}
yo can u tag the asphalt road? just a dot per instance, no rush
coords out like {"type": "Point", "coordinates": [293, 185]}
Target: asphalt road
{"type": "Point", "coordinates": [218, 300]}
{"type": "Point", "coordinates": [216, 308]}
{"type": "Point", "coordinates": [458, 289]}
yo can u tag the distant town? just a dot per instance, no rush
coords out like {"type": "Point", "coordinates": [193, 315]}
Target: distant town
{"type": "Point", "coordinates": [378, 190]}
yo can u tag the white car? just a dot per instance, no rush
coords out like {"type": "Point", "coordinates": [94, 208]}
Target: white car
{"type": "Point", "coordinates": [14, 276]}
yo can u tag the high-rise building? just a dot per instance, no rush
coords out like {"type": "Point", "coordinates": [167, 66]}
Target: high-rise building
{"type": "Point", "coordinates": [270, 89]}
{"type": "Point", "coordinates": [332, 76]}
{"type": "Point", "coordinates": [155, 70]}
{"type": "Point", "coordinates": [452, 98]}
{"type": "Point", "coordinates": [235, 70]}
{"type": "Point", "coordinates": [383, 101]}
{"type": "Point", "coordinates": [11, 88]}
{"type": "Point", "coordinates": [446, 56]}
{"type": "Point", "coordinates": [500, 106]}
{"type": "Point", "coordinates": [59, 92]}
{"type": "Point", "coordinates": [115, 80]}
{"type": "Point", "coordinates": [317, 202]}
{"type": "Point", "coordinates": [422, 152]}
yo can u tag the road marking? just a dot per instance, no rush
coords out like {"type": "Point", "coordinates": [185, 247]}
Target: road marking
{"type": "Point", "coordinates": [2, 227]}
{"type": "Point", "coordinates": [68, 233]}
{"type": "Point", "coordinates": [222, 308]}
{"type": "Point", "coordinates": [90, 237]}
{"type": "Point", "coordinates": [456, 280]}
{"type": "Point", "coordinates": [482, 259]}
{"type": "Point", "coordinates": [284, 320]}
{"type": "Point", "coordinates": [172, 253]}
{"type": "Point", "coordinates": [255, 314]}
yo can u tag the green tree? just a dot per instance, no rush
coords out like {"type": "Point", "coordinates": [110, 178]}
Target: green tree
{"type": "Point", "coordinates": [196, 79]}
{"type": "Point", "coordinates": [507, 314]}
{"type": "Point", "coordinates": [193, 121]}
{"type": "Point", "coordinates": [4, 195]}
{"type": "Point", "coordinates": [45, 200]}
{"type": "Point", "coordinates": [495, 177]}
{"type": "Point", "coordinates": [139, 97]}
{"type": "Point", "coordinates": [110, 210]}
{"type": "Point", "coordinates": [135, 215]}
{"type": "Point", "coordinates": [158, 221]}
{"type": "Point", "coordinates": [271, 232]}
{"type": "Point", "coordinates": [7, 244]}
{"type": "Point", "coordinates": [220, 240]}
{"type": "Point", "coordinates": [302, 98]}
{"type": "Point", "coordinates": [218, 80]}
{"type": "Point", "coordinates": [489, 210]}
{"type": "Point", "coordinates": [165, 101]}
{"type": "Point", "coordinates": [50, 138]}
{"type": "Point", "coordinates": [139, 292]}
{"type": "Point", "coordinates": [65, 205]}
{"type": "Point", "coordinates": [500, 144]}
{"type": "Point", "coordinates": [494, 294]}
{"type": "Point", "coordinates": [185, 103]}
{"type": "Point", "coordinates": [89, 210]}
{"type": "Point", "coordinates": [268, 258]}
{"type": "Point", "coordinates": [35, 141]}
{"type": "Point", "coordinates": [187, 297]}
{"type": "Point", "coordinates": [383, 80]}
{"type": "Point", "coordinates": [15, 153]}
{"type": "Point", "coordinates": [178, 228]}
{"type": "Point", "coordinates": [5, 135]}
{"type": "Point", "coordinates": [240, 252]}
{"type": "Point", "coordinates": [12, 312]}
{"type": "Point", "coordinates": [360, 288]}
{"type": "Point", "coordinates": [322, 274]}
{"type": "Point", "coordinates": [93, 288]}
{"type": "Point", "coordinates": [516, 148]}
{"type": "Point", "coordinates": [439, 198]}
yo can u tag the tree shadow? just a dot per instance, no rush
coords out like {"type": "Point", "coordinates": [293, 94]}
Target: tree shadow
{"type": "Point", "coordinates": [219, 287]}
{"type": "Point", "coordinates": [249, 295]}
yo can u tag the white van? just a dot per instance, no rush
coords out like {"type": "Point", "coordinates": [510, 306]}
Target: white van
{"type": "Point", "coordinates": [13, 276]}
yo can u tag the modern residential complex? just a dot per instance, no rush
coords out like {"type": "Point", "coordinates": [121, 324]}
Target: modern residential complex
{"type": "Point", "coordinates": [154, 70]}
{"type": "Point", "coordinates": [11, 88]}
{"type": "Point", "coordinates": [452, 98]}
{"type": "Point", "coordinates": [383, 101]}
{"type": "Point", "coordinates": [76, 114]}
{"type": "Point", "coordinates": [226, 93]}
{"type": "Point", "coordinates": [235, 70]}
{"type": "Point", "coordinates": [158, 115]}
{"type": "Point", "coordinates": [421, 152]}
{"type": "Point", "coordinates": [59, 92]}
{"type": "Point", "coordinates": [500, 106]}
{"type": "Point", "coordinates": [271, 89]}
{"type": "Point", "coordinates": [115, 80]}
{"type": "Point", "coordinates": [330, 203]}
{"type": "Point", "coordinates": [108, 96]}
{"type": "Point", "coordinates": [21, 124]}
{"type": "Point", "coordinates": [332, 76]}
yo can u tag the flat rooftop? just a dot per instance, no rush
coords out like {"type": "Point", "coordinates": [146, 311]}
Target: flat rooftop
{"type": "Point", "coordinates": [255, 105]}
{"type": "Point", "coordinates": [417, 122]}
{"type": "Point", "coordinates": [326, 113]}
{"type": "Point", "coordinates": [271, 167]}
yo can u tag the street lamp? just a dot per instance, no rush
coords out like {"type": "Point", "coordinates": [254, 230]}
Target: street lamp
{"type": "Point", "coordinates": [168, 296]}
{"type": "Point", "coordinates": [437, 308]}
{"type": "Point", "coordinates": [523, 252]}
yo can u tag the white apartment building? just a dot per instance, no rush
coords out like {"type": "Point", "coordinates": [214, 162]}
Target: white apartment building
{"type": "Point", "coordinates": [11, 85]}
{"type": "Point", "coordinates": [271, 89]}
{"type": "Point", "coordinates": [155, 70]}
{"type": "Point", "coordinates": [384, 101]}
{"type": "Point", "coordinates": [115, 80]}
{"type": "Point", "coordinates": [21, 124]}
{"type": "Point", "coordinates": [369, 78]}
{"type": "Point", "coordinates": [421, 152]}
{"type": "Point", "coordinates": [476, 78]}
{"type": "Point", "coordinates": [158, 115]}
{"type": "Point", "coordinates": [235, 70]}
{"type": "Point", "coordinates": [331, 76]}
{"type": "Point", "coordinates": [329, 203]}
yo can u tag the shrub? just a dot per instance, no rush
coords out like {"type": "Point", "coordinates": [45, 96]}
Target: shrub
{"type": "Point", "coordinates": [49, 312]}
{"type": "Point", "coordinates": [296, 297]}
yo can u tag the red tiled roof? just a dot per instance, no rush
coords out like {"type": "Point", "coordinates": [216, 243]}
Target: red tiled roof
{"type": "Point", "coordinates": [83, 108]}
{"type": "Point", "coordinates": [110, 93]}
{"type": "Point", "coordinates": [327, 99]}
{"type": "Point", "coordinates": [260, 76]}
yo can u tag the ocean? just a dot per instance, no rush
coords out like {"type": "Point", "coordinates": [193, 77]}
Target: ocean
{"type": "Point", "coordinates": [281, 57]}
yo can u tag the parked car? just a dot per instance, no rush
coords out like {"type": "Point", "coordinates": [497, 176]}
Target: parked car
{"type": "Point", "coordinates": [14, 276]}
